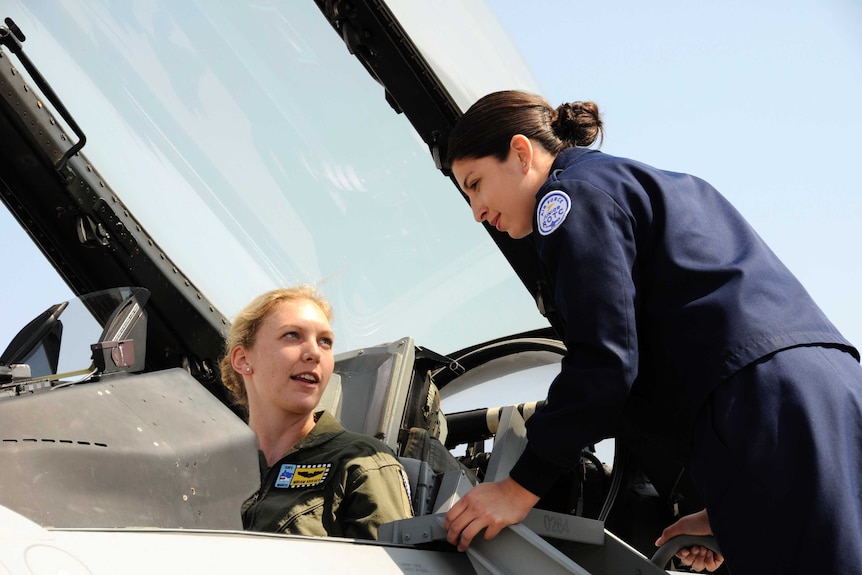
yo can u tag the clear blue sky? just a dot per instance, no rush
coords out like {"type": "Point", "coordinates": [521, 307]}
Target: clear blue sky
{"type": "Point", "coordinates": [759, 98]}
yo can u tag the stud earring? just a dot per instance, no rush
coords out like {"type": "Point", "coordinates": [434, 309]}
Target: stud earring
{"type": "Point", "coordinates": [247, 369]}
{"type": "Point", "coordinates": [524, 164]}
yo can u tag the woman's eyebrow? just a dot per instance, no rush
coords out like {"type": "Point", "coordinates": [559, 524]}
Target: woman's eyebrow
{"type": "Point", "coordinates": [466, 177]}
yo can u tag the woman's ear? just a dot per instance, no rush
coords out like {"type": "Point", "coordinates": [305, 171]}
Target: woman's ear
{"type": "Point", "coordinates": [239, 360]}
{"type": "Point", "coordinates": [523, 148]}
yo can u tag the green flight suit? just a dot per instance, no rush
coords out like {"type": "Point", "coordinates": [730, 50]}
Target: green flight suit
{"type": "Point", "coordinates": [332, 483]}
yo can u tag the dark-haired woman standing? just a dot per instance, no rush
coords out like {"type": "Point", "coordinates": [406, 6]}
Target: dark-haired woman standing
{"type": "Point", "coordinates": [670, 300]}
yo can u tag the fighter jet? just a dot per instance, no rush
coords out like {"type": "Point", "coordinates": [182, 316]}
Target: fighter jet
{"type": "Point", "coordinates": [171, 160]}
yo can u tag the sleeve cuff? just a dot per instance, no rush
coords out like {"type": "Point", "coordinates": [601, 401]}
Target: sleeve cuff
{"type": "Point", "coordinates": [534, 473]}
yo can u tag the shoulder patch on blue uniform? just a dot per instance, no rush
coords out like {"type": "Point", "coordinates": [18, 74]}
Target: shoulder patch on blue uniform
{"type": "Point", "coordinates": [552, 211]}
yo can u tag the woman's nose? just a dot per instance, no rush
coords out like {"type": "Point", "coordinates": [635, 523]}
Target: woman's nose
{"type": "Point", "coordinates": [480, 212]}
{"type": "Point", "coordinates": [311, 352]}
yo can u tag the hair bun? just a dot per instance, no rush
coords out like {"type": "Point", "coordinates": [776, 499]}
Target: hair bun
{"type": "Point", "coordinates": [577, 123]}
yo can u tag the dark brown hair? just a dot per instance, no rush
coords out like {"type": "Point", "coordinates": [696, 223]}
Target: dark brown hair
{"type": "Point", "coordinates": [486, 129]}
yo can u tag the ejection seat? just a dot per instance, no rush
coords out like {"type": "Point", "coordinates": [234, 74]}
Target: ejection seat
{"type": "Point", "coordinates": [376, 391]}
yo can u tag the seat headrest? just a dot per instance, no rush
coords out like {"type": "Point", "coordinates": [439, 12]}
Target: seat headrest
{"type": "Point", "coordinates": [331, 398]}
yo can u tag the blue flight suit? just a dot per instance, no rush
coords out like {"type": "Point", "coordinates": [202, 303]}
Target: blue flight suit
{"type": "Point", "coordinates": [678, 316]}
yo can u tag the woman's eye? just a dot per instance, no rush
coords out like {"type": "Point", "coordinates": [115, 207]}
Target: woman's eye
{"type": "Point", "coordinates": [326, 342]}
{"type": "Point", "coordinates": [291, 335]}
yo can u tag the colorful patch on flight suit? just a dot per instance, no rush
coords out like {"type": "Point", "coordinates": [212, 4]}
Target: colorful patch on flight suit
{"type": "Point", "coordinates": [552, 211]}
{"type": "Point", "coordinates": [291, 475]}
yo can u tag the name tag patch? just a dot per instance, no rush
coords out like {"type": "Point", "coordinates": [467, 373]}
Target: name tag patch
{"type": "Point", "coordinates": [291, 475]}
{"type": "Point", "coordinates": [552, 211]}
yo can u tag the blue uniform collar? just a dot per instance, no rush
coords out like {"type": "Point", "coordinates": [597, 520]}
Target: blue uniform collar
{"type": "Point", "coordinates": [566, 158]}
{"type": "Point", "coordinates": [563, 160]}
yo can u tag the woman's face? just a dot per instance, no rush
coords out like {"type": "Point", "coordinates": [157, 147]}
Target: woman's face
{"type": "Point", "coordinates": [501, 193]}
{"type": "Point", "coordinates": [291, 360]}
